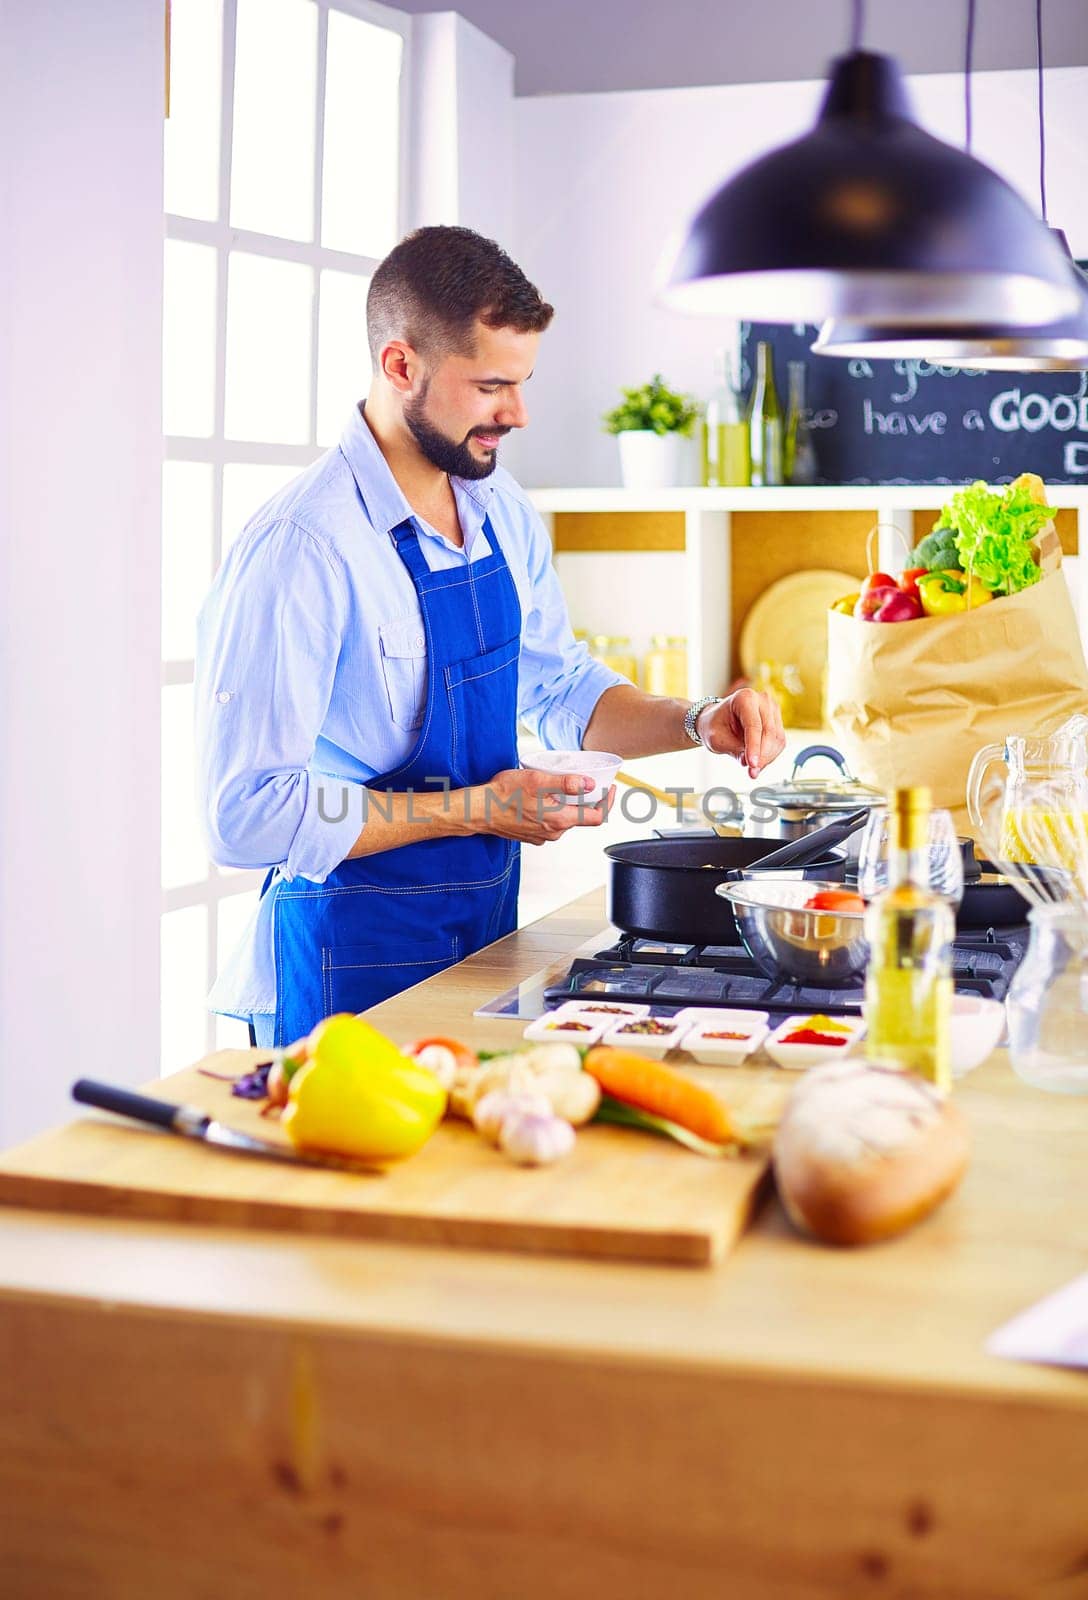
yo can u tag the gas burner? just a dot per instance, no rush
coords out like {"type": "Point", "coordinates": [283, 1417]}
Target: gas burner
{"type": "Point", "coordinates": [670, 976]}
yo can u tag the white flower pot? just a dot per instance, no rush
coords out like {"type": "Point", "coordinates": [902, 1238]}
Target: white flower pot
{"type": "Point", "coordinates": [651, 460]}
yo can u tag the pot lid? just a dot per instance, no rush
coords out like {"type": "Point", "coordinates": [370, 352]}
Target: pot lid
{"type": "Point", "coordinates": [841, 793]}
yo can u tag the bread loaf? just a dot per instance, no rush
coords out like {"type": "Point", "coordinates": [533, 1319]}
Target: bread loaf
{"type": "Point", "coordinates": [863, 1152]}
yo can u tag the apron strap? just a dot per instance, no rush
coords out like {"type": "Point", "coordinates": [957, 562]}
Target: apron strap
{"type": "Point", "coordinates": [406, 539]}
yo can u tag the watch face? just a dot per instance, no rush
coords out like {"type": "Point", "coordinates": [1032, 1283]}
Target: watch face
{"type": "Point", "coordinates": [693, 713]}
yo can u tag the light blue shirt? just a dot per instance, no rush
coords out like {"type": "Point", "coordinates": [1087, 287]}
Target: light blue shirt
{"type": "Point", "coordinates": [311, 663]}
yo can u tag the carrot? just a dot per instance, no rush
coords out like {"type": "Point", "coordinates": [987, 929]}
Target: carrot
{"type": "Point", "coordinates": [658, 1089]}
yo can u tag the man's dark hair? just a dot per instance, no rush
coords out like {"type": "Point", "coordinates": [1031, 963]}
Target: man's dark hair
{"type": "Point", "coordinates": [434, 287]}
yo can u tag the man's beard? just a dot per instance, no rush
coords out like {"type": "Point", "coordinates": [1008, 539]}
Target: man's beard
{"type": "Point", "coordinates": [446, 454]}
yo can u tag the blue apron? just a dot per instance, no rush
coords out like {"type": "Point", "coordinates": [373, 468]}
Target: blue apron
{"type": "Point", "coordinates": [381, 923]}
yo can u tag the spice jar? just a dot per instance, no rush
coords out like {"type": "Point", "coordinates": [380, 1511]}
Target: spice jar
{"type": "Point", "coordinates": [614, 650]}
{"type": "Point", "coordinates": [665, 665]}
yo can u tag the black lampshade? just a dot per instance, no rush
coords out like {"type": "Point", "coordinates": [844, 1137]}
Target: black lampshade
{"type": "Point", "coordinates": [870, 217]}
{"type": "Point", "coordinates": [1054, 347]}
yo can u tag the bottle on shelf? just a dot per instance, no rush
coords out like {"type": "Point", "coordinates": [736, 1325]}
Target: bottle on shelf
{"type": "Point", "coordinates": [665, 665]}
{"type": "Point", "coordinates": [798, 451]}
{"type": "Point", "coordinates": [614, 650]}
{"type": "Point", "coordinates": [783, 682]}
{"type": "Point", "coordinates": [908, 986]}
{"type": "Point", "coordinates": [764, 422]}
{"type": "Point", "coordinates": [725, 431]}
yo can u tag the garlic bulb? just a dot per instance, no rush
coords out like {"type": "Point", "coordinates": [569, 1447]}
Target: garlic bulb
{"type": "Point", "coordinates": [439, 1060]}
{"type": "Point", "coordinates": [492, 1110]}
{"type": "Point", "coordinates": [535, 1140]}
{"type": "Point", "coordinates": [551, 1070]}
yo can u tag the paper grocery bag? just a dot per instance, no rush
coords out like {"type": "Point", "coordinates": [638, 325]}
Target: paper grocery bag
{"type": "Point", "coordinates": [911, 702]}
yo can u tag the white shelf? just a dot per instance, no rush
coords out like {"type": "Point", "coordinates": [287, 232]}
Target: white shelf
{"type": "Point", "coordinates": [706, 558]}
{"type": "Point", "coordinates": [845, 497]}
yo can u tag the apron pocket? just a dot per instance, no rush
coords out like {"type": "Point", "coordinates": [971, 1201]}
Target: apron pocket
{"type": "Point", "coordinates": [355, 976]}
{"type": "Point", "coordinates": [404, 668]}
{"type": "Point", "coordinates": [482, 693]}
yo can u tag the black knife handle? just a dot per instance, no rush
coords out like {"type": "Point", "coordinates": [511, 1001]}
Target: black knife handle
{"type": "Point", "coordinates": [108, 1097]}
{"type": "Point", "coordinates": [800, 851]}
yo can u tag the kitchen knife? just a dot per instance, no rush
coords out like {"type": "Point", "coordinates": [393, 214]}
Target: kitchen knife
{"type": "Point", "coordinates": [194, 1124]}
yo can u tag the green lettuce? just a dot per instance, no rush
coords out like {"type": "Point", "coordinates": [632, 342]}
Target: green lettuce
{"type": "Point", "coordinates": [993, 533]}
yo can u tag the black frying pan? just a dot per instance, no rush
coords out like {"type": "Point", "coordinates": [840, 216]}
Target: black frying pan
{"type": "Point", "coordinates": [993, 901]}
{"type": "Point", "coordinates": [664, 888]}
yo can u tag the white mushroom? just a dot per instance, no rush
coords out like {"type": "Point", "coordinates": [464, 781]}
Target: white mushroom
{"type": "Point", "coordinates": [574, 1096]}
{"type": "Point", "coordinates": [441, 1061]}
{"type": "Point", "coordinates": [560, 1056]}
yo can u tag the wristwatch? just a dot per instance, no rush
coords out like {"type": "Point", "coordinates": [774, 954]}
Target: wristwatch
{"type": "Point", "coordinates": [693, 712]}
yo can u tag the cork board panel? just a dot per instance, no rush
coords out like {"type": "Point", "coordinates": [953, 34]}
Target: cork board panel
{"type": "Point", "coordinates": [1065, 521]}
{"type": "Point", "coordinates": [769, 544]}
{"type": "Point", "coordinates": [619, 530]}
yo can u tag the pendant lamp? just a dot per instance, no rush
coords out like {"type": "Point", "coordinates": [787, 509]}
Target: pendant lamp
{"type": "Point", "coordinates": [868, 216]}
{"type": "Point", "coordinates": [1060, 346]}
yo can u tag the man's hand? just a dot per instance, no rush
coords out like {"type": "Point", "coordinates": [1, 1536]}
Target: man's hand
{"type": "Point", "coordinates": [534, 807]}
{"type": "Point", "coordinates": [747, 725]}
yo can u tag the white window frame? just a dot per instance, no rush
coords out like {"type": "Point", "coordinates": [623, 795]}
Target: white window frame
{"type": "Point", "coordinates": [218, 450]}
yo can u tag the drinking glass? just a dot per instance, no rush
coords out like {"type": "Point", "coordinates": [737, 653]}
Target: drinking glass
{"type": "Point", "coordinates": [945, 856]}
{"type": "Point", "coordinates": [1047, 1004]}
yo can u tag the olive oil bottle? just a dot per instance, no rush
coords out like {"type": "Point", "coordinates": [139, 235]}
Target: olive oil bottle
{"type": "Point", "coordinates": [764, 416]}
{"type": "Point", "coordinates": [725, 432]}
{"type": "Point", "coordinates": [908, 987]}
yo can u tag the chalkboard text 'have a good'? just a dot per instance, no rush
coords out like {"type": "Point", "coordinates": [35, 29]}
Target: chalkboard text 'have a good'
{"type": "Point", "coordinates": [912, 421]}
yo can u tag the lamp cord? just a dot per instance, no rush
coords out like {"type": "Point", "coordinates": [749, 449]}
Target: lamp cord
{"type": "Point", "coordinates": [1042, 116]}
{"type": "Point", "coordinates": [968, 57]}
{"type": "Point", "coordinates": [858, 25]}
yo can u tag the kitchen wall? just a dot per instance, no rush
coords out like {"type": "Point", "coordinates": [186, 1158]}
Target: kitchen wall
{"type": "Point", "coordinates": [603, 180]}
{"type": "Point", "coordinates": [461, 108]}
{"type": "Point", "coordinates": [81, 92]}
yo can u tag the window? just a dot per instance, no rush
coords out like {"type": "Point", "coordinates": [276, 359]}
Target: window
{"type": "Point", "coordinates": [273, 227]}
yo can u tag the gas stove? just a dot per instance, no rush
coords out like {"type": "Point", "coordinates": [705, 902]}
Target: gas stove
{"type": "Point", "coordinates": [668, 977]}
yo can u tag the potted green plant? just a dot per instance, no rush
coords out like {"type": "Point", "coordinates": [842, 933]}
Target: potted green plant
{"type": "Point", "coordinates": [650, 424]}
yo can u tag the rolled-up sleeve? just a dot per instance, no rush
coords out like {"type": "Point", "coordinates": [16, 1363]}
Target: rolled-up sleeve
{"type": "Point", "coordinates": [269, 638]}
{"type": "Point", "coordinates": [558, 681]}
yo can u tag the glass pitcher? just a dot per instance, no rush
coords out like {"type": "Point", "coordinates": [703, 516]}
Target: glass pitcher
{"type": "Point", "coordinates": [1047, 1004]}
{"type": "Point", "coordinates": [1044, 806]}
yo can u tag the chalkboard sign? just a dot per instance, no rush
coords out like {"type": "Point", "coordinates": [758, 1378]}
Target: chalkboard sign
{"type": "Point", "coordinates": [910, 421]}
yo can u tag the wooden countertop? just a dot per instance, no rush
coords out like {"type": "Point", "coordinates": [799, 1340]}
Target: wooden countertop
{"type": "Point", "coordinates": [796, 1334]}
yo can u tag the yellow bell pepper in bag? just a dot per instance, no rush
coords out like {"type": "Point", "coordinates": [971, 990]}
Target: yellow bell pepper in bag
{"type": "Point", "coordinates": [359, 1096]}
{"type": "Point", "coordinates": [944, 594]}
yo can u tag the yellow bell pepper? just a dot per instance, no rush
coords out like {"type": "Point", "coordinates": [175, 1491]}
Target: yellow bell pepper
{"type": "Point", "coordinates": [846, 604]}
{"type": "Point", "coordinates": [943, 594]}
{"type": "Point", "coordinates": [359, 1096]}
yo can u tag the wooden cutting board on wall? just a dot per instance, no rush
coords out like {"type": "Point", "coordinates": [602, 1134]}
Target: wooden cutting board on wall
{"type": "Point", "coordinates": [621, 1194]}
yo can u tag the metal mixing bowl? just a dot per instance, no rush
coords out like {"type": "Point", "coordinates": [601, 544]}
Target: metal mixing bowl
{"type": "Point", "coordinates": [786, 941]}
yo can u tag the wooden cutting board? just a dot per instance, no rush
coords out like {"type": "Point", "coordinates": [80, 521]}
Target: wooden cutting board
{"type": "Point", "coordinates": [621, 1193]}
